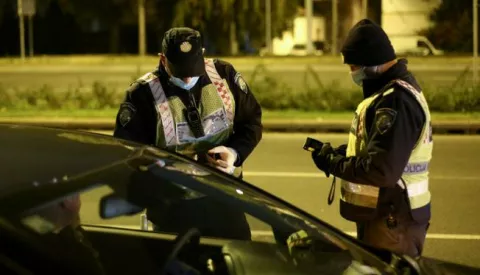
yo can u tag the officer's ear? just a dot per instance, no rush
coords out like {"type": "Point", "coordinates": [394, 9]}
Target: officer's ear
{"type": "Point", "coordinates": [163, 59]}
{"type": "Point", "coordinates": [203, 50]}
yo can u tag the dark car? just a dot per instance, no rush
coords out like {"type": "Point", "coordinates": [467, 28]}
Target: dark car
{"type": "Point", "coordinates": [73, 202]}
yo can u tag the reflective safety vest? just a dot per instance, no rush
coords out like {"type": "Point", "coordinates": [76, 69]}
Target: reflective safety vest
{"type": "Point", "coordinates": [216, 109]}
{"type": "Point", "coordinates": [415, 175]}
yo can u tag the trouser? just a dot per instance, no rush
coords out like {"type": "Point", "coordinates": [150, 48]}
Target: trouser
{"type": "Point", "coordinates": [212, 218]}
{"type": "Point", "coordinates": [406, 237]}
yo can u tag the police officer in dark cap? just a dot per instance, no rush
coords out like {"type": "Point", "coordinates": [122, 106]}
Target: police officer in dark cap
{"type": "Point", "coordinates": [201, 108]}
{"type": "Point", "coordinates": [384, 166]}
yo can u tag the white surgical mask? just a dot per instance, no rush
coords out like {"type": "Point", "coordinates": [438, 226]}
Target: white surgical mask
{"type": "Point", "coordinates": [358, 76]}
{"type": "Point", "coordinates": [186, 86]}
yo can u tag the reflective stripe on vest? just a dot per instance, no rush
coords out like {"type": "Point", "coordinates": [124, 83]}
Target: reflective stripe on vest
{"type": "Point", "coordinates": [163, 110]}
{"type": "Point", "coordinates": [221, 87]}
{"type": "Point", "coordinates": [415, 175]}
{"type": "Point", "coordinates": [216, 109]}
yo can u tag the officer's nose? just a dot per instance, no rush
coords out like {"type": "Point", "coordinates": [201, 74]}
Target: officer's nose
{"type": "Point", "coordinates": [187, 79]}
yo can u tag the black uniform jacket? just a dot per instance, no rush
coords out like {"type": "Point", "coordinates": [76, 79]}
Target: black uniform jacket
{"type": "Point", "coordinates": [142, 123]}
{"type": "Point", "coordinates": [390, 142]}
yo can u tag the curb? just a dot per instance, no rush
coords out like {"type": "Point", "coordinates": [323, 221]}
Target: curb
{"type": "Point", "coordinates": [279, 126]}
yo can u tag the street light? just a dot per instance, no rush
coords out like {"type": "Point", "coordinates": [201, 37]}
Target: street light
{"type": "Point", "coordinates": [22, 28]}
{"type": "Point", "coordinates": [141, 28]}
{"type": "Point", "coordinates": [268, 25]}
{"type": "Point", "coordinates": [308, 16]}
{"type": "Point", "coordinates": [365, 8]}
{"type": "Point", "coordinates": [334, 26]}
{"type": "Point", "coordinates": [475, 41]}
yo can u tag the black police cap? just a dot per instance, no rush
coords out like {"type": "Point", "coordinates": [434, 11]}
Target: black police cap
{"type": "Point", "coordinates": [184, 51]}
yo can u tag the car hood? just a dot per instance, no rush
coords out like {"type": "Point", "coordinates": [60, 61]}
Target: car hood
{"type": "Point", "coordinates": [34, 155]}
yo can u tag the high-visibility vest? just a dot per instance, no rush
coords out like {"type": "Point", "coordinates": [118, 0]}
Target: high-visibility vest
{"type": "Point", "coordinates": [415, 174]}
{"type": "Point", "coordinates": [216, 109]}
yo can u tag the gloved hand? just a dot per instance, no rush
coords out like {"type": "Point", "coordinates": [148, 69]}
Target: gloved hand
{"type": "Point", "coordinates": [228, 156]}
{"type": "Point", "coordinates": [322, 157]}
{"type": "Point", "coordinates": [341, 150]}
{"type": "Point", "coordinates": [299, 239]}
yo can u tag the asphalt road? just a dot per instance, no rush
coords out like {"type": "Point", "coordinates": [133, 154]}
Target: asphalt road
{"type": "Point", "coordinates": [280, 166]}
{"type": "Point", "coordinates": [62, 77]}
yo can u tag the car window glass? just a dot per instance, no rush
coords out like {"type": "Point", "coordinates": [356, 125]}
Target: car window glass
{"type": "Point", "coordinates": [213, 216]}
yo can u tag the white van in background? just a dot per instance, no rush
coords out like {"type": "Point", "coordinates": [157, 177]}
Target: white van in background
{"type": "Point", "coordinates": [414, 45]}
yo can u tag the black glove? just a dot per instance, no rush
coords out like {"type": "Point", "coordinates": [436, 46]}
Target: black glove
{"type": "Point", "coordinates": [322, 157]}
{"type": "Point", "coordinates": [341, 150]}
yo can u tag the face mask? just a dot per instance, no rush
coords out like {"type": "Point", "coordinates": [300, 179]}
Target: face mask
{"type": "Point", "coordinates": [358, 76]}
{"type": "Point", "coordinates": [186, 86]}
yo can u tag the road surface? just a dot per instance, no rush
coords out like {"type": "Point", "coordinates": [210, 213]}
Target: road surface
{"type": "Point", "coordinates": [280, 166]}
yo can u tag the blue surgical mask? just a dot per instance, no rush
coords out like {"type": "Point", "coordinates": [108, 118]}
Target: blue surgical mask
{"type": "Point", "coordinates": [365, 72]}
{"type": "Point", "coordinates": [358, 76]}
{"type": "Point", "coordinates": [186, 86]}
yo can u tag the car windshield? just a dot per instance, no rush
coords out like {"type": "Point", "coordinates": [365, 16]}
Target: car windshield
{"type": "Point", "coordinates": [166, 194]}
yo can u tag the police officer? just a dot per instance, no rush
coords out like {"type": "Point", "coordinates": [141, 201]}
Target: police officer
{"type": "Point", "coordinates": [384, 169]}
{"type": "Point", "coordinates": [201, 108]}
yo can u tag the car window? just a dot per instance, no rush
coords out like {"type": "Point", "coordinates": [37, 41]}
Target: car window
{"type": "Point", "coordinates": [176, 196]}
{"type": "Point", "coordinates": [422, 44]}
{"type": "Point", "coordinates": [166, 218]}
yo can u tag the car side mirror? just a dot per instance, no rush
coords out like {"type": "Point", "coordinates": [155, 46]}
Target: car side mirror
{"type": "Point", "coordinates": [112, 206]}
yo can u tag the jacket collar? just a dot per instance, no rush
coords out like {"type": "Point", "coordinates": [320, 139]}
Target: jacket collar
{"type": "Point", "coordinates": [397, 71]}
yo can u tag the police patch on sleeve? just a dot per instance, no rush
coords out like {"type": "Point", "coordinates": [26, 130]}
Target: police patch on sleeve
{"type": "Point", "coordinates": [385, 118]}
{"type": "Point", "coordinates": [126, 113]}
{"type": "Point", "coordinates": [241, 83]}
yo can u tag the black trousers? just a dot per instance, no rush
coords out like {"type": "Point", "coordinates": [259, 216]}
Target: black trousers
{"type": "Point", "coordinates": [212, 218]}
{"type": "Point", "coordinates": [407, 237]}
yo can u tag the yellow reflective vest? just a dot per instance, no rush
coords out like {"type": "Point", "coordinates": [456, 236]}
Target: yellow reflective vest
{"type": "Point", "coordinates": [216, 109]}
{"type": "Point", "coordinates": [415, 175]}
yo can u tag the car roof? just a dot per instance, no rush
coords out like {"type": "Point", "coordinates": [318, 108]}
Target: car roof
{"type": "Point", "coordinates": [35, 155]}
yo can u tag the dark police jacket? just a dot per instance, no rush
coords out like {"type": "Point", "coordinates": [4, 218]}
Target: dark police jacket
{"type": "Point", "coordinates": [389, 143]}
{"type": "Point", "coordinates": [140, 124]}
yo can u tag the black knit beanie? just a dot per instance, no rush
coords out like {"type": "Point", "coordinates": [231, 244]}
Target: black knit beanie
{"type": "Point", "coordinates": [367, 45]}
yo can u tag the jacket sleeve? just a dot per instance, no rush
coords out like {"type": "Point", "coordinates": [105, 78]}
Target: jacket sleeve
{"type": "Point", "coordinates": [248, 116]}
{"type": "Point", "coordinates": [133, 121]}
{"type": "Point", "coordinates": [397, 123]}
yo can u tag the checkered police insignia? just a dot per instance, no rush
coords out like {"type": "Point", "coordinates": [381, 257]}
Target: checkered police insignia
{"type": "Point", "coordinates": [241, 82]}
{"type": "Point", "coordinates": [126, 113]}
{"type": "Point", "coordinates": [385, 118]}
{"type": "Point", "coordinates": [185, 47]}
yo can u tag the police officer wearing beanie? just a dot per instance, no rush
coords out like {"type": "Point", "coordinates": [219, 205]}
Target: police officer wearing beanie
{"type": "Point", "coordinates": [384, 166]}
{"type": "Point", "coordinates": [201, 108]}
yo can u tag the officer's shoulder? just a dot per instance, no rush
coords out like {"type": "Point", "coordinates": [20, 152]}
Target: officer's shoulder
{"type": "Point", "coordinates": [398, 92]}
{"type": "Point", "coordinates": [224, 68]}
{"type": "Point", "coordinates": [222, 63]}
{"type": "Point", "coordinates": [405, 92]}
{"type": "Point", "coordinates": [233, 77]}
{"type": "Point", "coordinates": [146, 78]}
{"type": "Point", "coordinates": [141, 83]}
{"type": "Point", "coordinates": [400, 95]}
